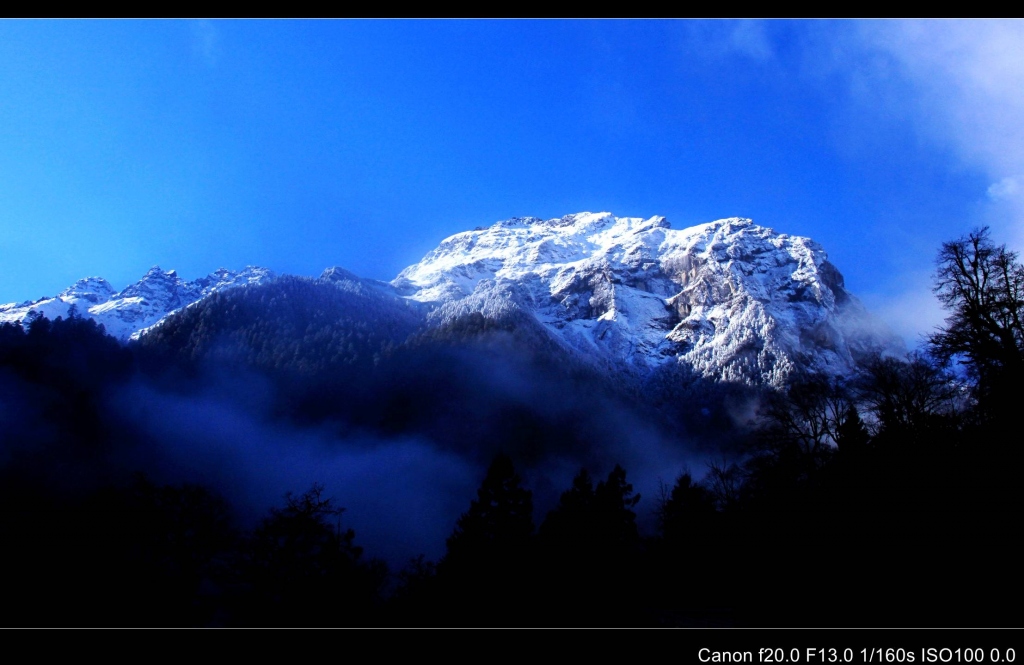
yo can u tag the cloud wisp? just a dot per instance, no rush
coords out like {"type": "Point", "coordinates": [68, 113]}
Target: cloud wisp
{"type": "Point", "coordinates": [962, 84]}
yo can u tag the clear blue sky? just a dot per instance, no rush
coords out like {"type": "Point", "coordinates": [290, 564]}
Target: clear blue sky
{"type": "Point", "coordinates": [298, 145]}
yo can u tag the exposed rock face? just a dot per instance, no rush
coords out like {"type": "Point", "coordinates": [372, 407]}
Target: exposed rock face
{"type": "Point", "coordinates": [732, 300]}
{"type": "Point", "coordinates": [137, 307]}
{"type": "Point", "coordinates": [736, 301]}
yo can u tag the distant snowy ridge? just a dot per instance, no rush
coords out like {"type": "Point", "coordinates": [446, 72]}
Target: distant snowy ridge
{"type": "Point", "coordinates": [137, 307]}
{"type": "Point", "coordinates": [733, 300]}
{"type": "Point", "coordinates": [730, 299]}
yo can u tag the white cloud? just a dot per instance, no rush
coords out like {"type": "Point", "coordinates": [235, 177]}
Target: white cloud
{"type": "Point", "coordinates": [913, 312]}
{"type": "Point", "coordinates": [1007, 188]}
{"type": "Point", "coordinates": [961, 83]}
{"type": "Point", "coordinates": [968, 81]}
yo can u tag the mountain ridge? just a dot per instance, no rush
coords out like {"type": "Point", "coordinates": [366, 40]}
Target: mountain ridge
{"type": "Point", "coordinates": [730, 299]}
{"type": "Point", "coordinates": [734, 300]}
{"type": "Point", "coordinates": [138, 306]}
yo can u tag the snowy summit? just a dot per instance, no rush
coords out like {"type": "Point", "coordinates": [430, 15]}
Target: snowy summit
{"type": "Point", "coordinates": [730, 299]}
{"type": "Point", "coordinates": [733, 300]}
{"type": "Point", "coordinates": [139, 306]}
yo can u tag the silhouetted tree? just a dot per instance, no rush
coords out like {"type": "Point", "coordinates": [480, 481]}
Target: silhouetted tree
{"type": "Point", "coordinates": [724, 483]}
{"type": "Point", "coordinates": [981, 285]}
{"type": "Point", "coordinates": [590, 517]}
{"type": "Point", "coordinates": [488, 558]}
{"type": "Point", "coordinates": [807, 420]}
{"type": "Point", "coordinates": [501, 517]}
{"type": "Point", "coordinates": [160, 553]}
{"type": "Point", "coordinates": [303, 568]}
{"type": "Point", "coordinates": [850, 432]}
{"type": "Point", "coordinates": [573, 520]}
{"type": "Point", "coordinates": [909, 398]}
{"type": "Point", "coordinates": [614, 501]}
{"type": "Point", "coordinates": [685, 512]}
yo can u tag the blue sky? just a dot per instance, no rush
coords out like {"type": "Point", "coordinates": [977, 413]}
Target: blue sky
{"type": "Point", "coordinates": [299, 145]}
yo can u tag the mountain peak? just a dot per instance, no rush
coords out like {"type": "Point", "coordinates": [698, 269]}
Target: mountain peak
{"type": "Point", "coordinates": [89, 289]}
{"type": "Point", "coordinates": [728, 298]}
{"type": "Point", "coordinates": [139, 305]}
{"type": "Point", "coordinates": [337, 274]}
{"type": "Point", "coordinates": [732, 299]}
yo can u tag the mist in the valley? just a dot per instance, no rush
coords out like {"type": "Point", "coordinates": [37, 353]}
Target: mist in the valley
{"type": "Point", "coordinates": [404, 448]}
{"type": "Point", "coordinates": [400, 494]}
{"type": "Point", "coordinates": [401, 444]}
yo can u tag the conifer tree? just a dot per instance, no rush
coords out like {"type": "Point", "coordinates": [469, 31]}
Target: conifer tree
{"type": "Point", "coordinates": [851, 433]}
{"type": "Point", "coordinates": [614, 502]}
{"type": "Point", "coordinates": [500, 518]}
{"type": "Point", "coordinates": [686, 512]}
{"type": "Point", "coordinates": [572, 521]}
{"type": "Point", "coordinates": [591, 516]}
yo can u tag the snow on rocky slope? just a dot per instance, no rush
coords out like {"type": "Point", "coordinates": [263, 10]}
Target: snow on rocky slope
{"type": "Point", "coordinates": [733, 300]}
{"type": "Point", "coordinates": [139, 305]}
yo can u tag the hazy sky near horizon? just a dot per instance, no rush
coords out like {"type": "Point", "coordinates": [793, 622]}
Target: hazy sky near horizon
{"type": "Point", "coordinates": [299, 145]}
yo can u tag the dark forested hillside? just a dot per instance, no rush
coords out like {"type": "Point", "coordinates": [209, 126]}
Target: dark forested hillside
{"type": "Point", "coordinates": [261, 449]}
{"type": "Point", "coordinates": [293, 326]}
{"type": "Point", "coordinates": [361, 358]}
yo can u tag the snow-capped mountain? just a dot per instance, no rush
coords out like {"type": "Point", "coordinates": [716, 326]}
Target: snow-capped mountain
{"type": "Point", "coordinates": [730, 299]}
{"type": "Point", "coordinates": [139, 305]}
{"type": "Point", "coordinates": [733, 300]}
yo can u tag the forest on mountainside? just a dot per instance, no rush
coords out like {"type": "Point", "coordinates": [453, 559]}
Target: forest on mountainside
{"type": "Point", "coordinates": [842, 494]}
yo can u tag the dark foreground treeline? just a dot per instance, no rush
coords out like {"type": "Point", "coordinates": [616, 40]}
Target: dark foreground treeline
{"type": "Point", "coordinates": [892, 499]}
